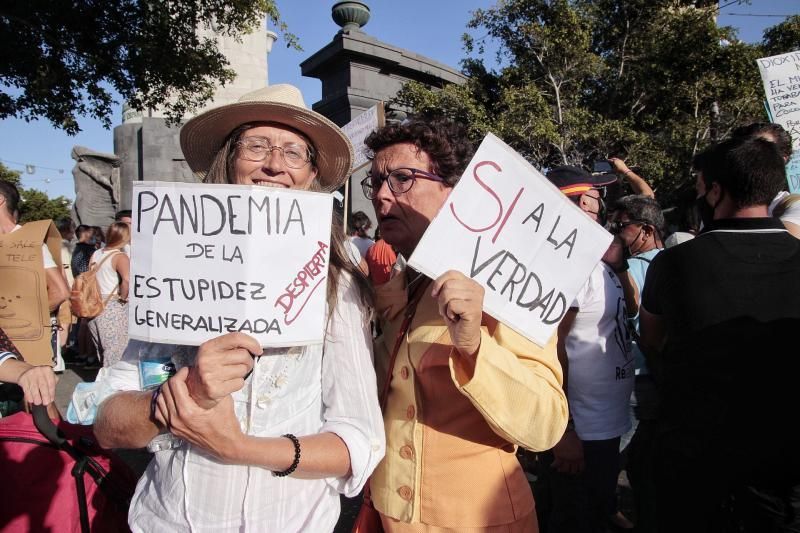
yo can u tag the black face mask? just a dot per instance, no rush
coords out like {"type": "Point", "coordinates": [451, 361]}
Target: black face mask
{"type": "Point", "coordinates": [705, 211]}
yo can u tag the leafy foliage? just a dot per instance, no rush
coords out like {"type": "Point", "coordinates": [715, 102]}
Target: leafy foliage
{"type": "Point", "coordinates": [60, 61]}
{"type": "Point", "coordinates": [650, 81]}
{"type": "Point", "coordinates": [36, 205]}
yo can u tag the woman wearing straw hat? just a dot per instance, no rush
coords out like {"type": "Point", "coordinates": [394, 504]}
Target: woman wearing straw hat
{"type": "Point", "coordinates": [271, 442]}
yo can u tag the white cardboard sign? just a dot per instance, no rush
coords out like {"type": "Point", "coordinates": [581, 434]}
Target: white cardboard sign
{"type": "Point", "coordinates": [781, 77]}
{"type": "Point", "coordinates": [358, 129]}
{"type": "Point", "coordinates": [507, 227]}
{"type": "Point", "coordinates": [211, 259]}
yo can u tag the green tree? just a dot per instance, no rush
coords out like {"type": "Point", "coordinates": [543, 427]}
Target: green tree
{"type": "Point", "coordinates": [651, 81]}
{"type": "Point", "coordinates": [11, 176]}
{"type": "Point", "coordinates": [35, 205]}
{"type": "Point", "coordinates": [61, 61]}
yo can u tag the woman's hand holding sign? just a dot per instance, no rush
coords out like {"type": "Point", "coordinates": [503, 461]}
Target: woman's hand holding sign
{"type": "Point", "coordinates": [460, 301]}
{"type": "Point", "coordinates": [221, 367]}
{"type": "Point", "coordinates": [214, 429]}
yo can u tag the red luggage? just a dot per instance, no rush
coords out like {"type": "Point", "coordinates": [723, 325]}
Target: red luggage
{"type": "Point", "coordinates": [60, 483]}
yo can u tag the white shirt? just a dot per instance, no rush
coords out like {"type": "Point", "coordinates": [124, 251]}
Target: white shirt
{"type": "Point", "coordinates": [303, 391]}
{"type": "Point", "coordinates": [352, 252]}
{"type": "Point", "coordinates": [601, 365]}
{"type": "Point", "coordinates": [362, 243]}
{"type": "Point", "coordinates": [107, 277]}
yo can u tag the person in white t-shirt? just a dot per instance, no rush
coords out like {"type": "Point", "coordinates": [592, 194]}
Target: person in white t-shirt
{"type": "Point", "coordinates": [360, 224]}
{"type": "Point", "coordinates": [57, 290]}
{"type": "Point", "coordinates": [594, 347]}
{"type": "Point", "coordinates": [109, 330]}
{"type": "Point", "coordinates": [126, 216]}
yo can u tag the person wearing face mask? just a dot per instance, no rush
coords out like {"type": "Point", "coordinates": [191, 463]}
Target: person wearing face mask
{"type": "Point", "coordinates": [637, 224]}
{"type": "Point", "coordinates": [580, 472]}
{"type": "Point", "coordinates": [83, 251]}
{"type": "Point", "coordinates": [719, 317]}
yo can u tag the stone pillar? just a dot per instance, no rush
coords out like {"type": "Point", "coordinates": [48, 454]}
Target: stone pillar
{"type": "Point", "coordinates": [358, 71]}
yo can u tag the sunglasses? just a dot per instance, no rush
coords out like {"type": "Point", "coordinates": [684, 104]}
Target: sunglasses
{"type": "Point", "coordinates": [616, 226]}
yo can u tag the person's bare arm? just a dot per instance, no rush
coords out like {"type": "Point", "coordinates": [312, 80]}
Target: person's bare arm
{"type": "Point", "coordinates": [637, 183]}
{"type": "Point", "coordinates": [564, 328]}
{"type": "Point", "coordinates": [123, 420]}
{"type": "Point", "coordinates": [57, 290]}
{"type": "Point", "coordinates": [568, 452]}
{"type": "Point", "coordinates": [123, 267]}
{"type": "Point", "coordinates": [37, 382]}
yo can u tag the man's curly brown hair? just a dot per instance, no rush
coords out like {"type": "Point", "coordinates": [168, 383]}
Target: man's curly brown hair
{"type": "Point", "coordinates": [444, 141]}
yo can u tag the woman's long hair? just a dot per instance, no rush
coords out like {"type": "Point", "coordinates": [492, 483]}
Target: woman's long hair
{"type": "Point", "coordinates": [222, 170]}
{"type": "Point", "coordinates": [118, 235]}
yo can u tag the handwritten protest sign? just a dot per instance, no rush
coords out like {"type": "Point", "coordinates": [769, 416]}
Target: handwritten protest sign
{"type": "Point", "coordinates": [512, 231]}
{"type": "Point", "coordinates": [211, 259]}
{"type": "Point", "coordinates": [359, 128]}
{"type": "Point", "coordinates": [781, 77]}
{"type": "Point", "coordinates": [24, 307]}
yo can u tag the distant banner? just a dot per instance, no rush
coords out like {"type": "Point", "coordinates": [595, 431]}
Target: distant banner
{"type": "Point", "coordinates": [213, 259]}
{"type": "Point", "coordinates": [507, 227]}
{"type": "Point", "coordinates": [358, 129]}
{"type": "Point", "coordinates": [781, 77]}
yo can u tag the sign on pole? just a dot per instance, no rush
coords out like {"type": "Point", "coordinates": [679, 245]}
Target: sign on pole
{"type": "Point", "coordinates": [508, 228]}
{"type": "Point", "coordinates": [212, 259]}
{"type": "Point", "coordinates": [359, 128]}
{"type": "Point", "coordinates": [781, 77]}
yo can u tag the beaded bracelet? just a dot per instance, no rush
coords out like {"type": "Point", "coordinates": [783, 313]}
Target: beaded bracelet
{"type": "Point", "coordinates": [296, 461]}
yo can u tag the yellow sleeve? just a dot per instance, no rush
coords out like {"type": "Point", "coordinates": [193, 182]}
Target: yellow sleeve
{"type": "Point", "coordinates": [517, 387]}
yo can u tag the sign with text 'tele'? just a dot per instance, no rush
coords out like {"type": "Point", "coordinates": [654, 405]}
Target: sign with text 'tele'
{"type": "Point", "coordinates": [213, 259]}
{"type": "Point", "coordinates": [508, 228]}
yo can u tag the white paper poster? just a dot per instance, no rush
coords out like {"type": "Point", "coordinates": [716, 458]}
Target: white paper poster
{"type": "Point", "coordinates": [212, 259]}
{"type": "Point", "coordinates": [781, 77]}
{"type": "Point", "coordinates": [358, 129]}
{"type": "Point", "coordinates": [515, 233]}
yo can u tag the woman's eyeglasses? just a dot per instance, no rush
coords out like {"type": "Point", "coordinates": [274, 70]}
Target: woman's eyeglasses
{"type": "Point", "coordinates": [399, 180]}
{"type": "Point", "coordinates": [258, 149]}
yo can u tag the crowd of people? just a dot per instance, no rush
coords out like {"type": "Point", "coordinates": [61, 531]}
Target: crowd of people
{"type": "Point", "coordinates": [673, 362]}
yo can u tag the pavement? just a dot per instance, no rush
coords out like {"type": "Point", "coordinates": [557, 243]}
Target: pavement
{"type": "Point", "coordinates": [67, 381]}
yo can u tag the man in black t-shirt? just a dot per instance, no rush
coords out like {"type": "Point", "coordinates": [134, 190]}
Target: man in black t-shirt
{"type": "Point", "coordinates": [719, 321]}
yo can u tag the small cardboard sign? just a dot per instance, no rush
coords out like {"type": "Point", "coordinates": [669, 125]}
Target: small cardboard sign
{"type": "Point", "coordinates": [508, 228]}
{"type": "Point", "coordinates": [781, 77]}
{"type": "Point", "coordinates": [213, 259]}
{"type": "Point", "coordinates": [24, 306]}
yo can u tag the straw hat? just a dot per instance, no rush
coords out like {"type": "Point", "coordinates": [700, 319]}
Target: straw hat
{"type": "Point", "coordinates": [204, 135]}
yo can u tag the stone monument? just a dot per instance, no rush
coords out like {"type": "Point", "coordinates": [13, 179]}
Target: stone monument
{"type": "Point", "coordinates": [358, 71]}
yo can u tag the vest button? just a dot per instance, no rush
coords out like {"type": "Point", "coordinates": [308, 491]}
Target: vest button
{"type": "Point", "coordinates": [404, 372]}
{"type": "Point", "coordinates": [410, 412]}
{"type": "Point", "coordinates": [406, 452]}
{"type": "Point", "coordinates": [405, 493]}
